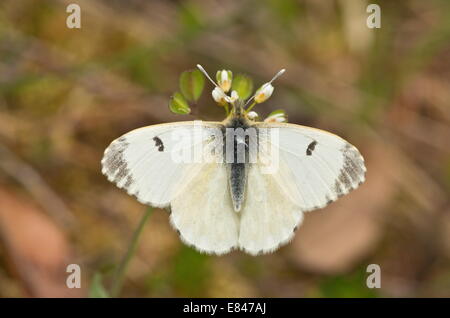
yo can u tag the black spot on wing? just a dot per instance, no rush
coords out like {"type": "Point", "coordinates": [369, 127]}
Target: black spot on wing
{"type": "Point", "coordinates": [158, 143]}
{"type": "Point", "coordinates": [311, 148]}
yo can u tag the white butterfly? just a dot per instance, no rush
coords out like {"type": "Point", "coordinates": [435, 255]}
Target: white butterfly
{"type": "Point", "coordinates": [220, 205]}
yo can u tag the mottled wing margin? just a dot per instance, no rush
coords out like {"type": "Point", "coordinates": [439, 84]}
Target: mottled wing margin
{"type": "Point", "coordinates": [141, 161]}
{"type": "Point", "coordinates": [315, 167]}
{"type": "Point", "coordinates": [203, 214]}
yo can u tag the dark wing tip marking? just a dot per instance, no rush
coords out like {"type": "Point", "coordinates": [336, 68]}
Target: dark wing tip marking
{"type": "Point", "coordinates": [352, 173]}
{"type": "Point", "coordinates": [129, 181]}
{"type": "Point", "coordinates": [310, 148]}
{"type": "Point", "coordinates": [114, 164]}
{"type": "Point", "coordinates": [158, 143]}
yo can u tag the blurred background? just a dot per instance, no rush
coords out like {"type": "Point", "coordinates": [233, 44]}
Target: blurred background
{"type": "Point", "coordinates": [65, 94]}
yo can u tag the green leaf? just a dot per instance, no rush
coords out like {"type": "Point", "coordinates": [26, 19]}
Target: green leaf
{"type": "Point", "coordinates": [191, 84]}
{"type": "Point", "coordinates": [243, 85]}
{"type": "Point", "coordinates": [97, 290]}
{"type": "Point", "coordinates": [179, 105]}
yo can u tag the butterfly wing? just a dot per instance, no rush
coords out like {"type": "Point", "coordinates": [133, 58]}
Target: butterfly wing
{"type": "Point", "coordinates": [204, 215]}
{"type": "Point", "coordinates": [145, 162]}
{"type": "Point", "coordinates": [315, 166]}
{"type": "Point", "coordinates": [268, 218]}
{"type": "Point", "coordinates": [299, 169]}
{"type": "Point", "coordinates": [148, 162]}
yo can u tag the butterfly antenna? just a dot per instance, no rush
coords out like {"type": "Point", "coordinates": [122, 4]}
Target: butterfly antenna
{"type": "Point", "coordinates": [270, 82]}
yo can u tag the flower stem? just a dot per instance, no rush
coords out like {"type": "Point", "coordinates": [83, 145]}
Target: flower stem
{"type": "Point", "coordinates": [227, 109]}
{"type": "Point", "coordinates": [250, 107]}
{"type": "Point", "coordinates": [121, 269]}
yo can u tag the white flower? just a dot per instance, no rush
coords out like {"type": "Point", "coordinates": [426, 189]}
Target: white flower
{"type": "Point", "coordinates": [276, 117]}
{"type": "Point", "coordinates": [252, 115]}
{"type": "Point", "coordinates": [234, 96]}
{"type": "Point", "coordinates": [219, 96]}
{"type": "Point", "coordinates": [263, 93]}
{"type": "Point", "coordinates": [224, 78]}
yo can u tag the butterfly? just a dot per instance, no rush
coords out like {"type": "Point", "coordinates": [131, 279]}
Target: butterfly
{"type": "Point", "coordinates": [236, 184]}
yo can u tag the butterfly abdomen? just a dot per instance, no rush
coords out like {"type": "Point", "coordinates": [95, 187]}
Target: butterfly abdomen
{"type": "Point", "coordinates": [237, 177]}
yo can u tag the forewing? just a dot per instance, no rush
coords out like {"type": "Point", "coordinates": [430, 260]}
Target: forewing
{"type": "Point", "coordinates": [315, 167]}
{"type": "Point", "coordinates": [150, 162]}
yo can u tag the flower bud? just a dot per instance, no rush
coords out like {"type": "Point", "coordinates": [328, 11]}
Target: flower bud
{"type": "Point", "coordinates": [263, 93]}
{"type": "Point", "coordinates": [224, 79]}
{"type": "Point", "coordinates": [219, 96]}
{"type": "Point", "coordinates": [278, 116]}
{"type": "Point", "coordinates": [234, 96]}
{"type": "Point", "coordinates": [252, 115]}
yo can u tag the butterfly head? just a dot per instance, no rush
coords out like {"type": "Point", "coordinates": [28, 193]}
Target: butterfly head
{"type": "Point", "coordinates": [225, 96]}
